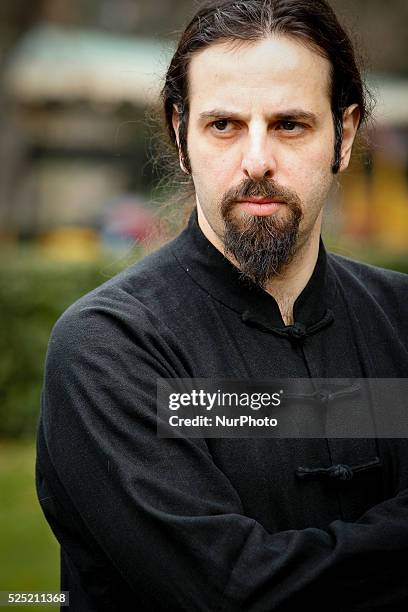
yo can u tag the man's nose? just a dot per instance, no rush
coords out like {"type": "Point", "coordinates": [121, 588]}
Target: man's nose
{"type": "Point", "coordinates": [258, 159]}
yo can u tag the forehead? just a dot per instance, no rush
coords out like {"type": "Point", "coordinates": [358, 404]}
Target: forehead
{"type": "Point", "coordinates": [268, 75]}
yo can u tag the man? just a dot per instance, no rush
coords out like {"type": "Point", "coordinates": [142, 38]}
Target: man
{"type": "Point", "coordinates": [263, 100]}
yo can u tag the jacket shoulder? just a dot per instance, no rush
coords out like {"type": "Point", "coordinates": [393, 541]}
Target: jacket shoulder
{"type": "Point", "coordinates": [388, 287]}
{"type": "Point", "coordinates": [367, 272]}
{"type": "Point", "coordinates": [127, 304]}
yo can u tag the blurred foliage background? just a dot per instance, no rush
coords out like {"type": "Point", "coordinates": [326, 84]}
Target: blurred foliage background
{"type": "Point", "coordinates": [81, 193]}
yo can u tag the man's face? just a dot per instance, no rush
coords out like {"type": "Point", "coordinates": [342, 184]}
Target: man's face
{"type": "Point", "coordinates": [260, 145]}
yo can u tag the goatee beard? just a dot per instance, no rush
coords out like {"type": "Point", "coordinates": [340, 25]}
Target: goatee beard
{"type": "Point", "coordinates": [262, 246]}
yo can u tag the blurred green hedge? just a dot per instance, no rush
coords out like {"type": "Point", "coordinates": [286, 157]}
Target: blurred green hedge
{"type": "Point", "coordinates": [34, 292]}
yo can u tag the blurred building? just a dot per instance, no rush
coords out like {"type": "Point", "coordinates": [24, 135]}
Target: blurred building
{"type": "Point", "coordinates": [77, 135]}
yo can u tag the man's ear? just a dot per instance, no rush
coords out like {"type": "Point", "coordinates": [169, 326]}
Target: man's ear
{"type": "Point", "coordinates": [176, 127]}
{"type": "Point", "coordinates": [351, 120]}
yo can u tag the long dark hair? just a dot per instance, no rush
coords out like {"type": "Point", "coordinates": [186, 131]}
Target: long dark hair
{"type": "Point", "coordinates": [312, 21]}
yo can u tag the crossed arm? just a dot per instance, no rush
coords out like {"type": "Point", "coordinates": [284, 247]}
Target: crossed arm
{"type": "Point", "coordinates": [167, 517]}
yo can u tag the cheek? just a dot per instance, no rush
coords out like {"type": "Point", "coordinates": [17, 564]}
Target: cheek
{"type": "Point", "coordinates": [213, 160]}
{"type": "Point", "coordinates": [313, 168]}
{"type": "Point", "coordinates": [311, 179]}
{"type": "Point", "coordinates": [318, 156]}
{"type": "Point", "coordinates": [212, 173]}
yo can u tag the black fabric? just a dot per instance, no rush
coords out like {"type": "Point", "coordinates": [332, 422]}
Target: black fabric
{"type": "Point", "coordinates": [147, 523]}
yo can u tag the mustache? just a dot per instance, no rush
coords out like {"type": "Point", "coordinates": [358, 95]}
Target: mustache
{"type": "Point", "coordinates": [264, 188]}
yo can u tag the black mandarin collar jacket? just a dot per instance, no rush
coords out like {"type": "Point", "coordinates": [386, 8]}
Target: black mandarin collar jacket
{"type": "Point", "coordinates": [147, 523]}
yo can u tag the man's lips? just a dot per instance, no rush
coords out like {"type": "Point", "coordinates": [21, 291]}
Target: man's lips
{"type": "Point", "coordinates": [260, 207]}
{"type": "Point", "coordinates": [261, 200]}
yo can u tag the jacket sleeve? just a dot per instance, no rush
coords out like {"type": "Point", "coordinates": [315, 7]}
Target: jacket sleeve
{"type": "Point", "coordinates": [162, 511]}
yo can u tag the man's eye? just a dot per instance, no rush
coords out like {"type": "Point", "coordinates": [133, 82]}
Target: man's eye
{"type": "Point", "coordinates": [220, 125]}
{"type": "Point", "coordinates": [289, 125]}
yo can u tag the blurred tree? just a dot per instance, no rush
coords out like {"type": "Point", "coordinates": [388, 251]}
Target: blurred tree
{"type": "Point", "coordinates": [379, 26]}
{"type": "Point", "coordinates": [381, 29]}
{"type": "Point", "coordinates": [16, 16]}
{"type": "Point", "coordinates": [60, 11]}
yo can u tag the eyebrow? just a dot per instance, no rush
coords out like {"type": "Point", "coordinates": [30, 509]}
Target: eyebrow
{"type": "Point", "coordinates": [287, 115]}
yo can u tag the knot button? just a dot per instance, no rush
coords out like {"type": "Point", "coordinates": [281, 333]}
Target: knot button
{"type": "Point", "coordinates": [341, 472]}
{"type": "Point", "coordinates": [297, 331]}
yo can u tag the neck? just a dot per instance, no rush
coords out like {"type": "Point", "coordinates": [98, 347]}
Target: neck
{"type": "Point", "coordinates": [286, 287]}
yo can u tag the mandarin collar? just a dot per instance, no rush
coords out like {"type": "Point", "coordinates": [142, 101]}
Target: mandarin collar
{"type": "Point", "coordinates": [210, 269]}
